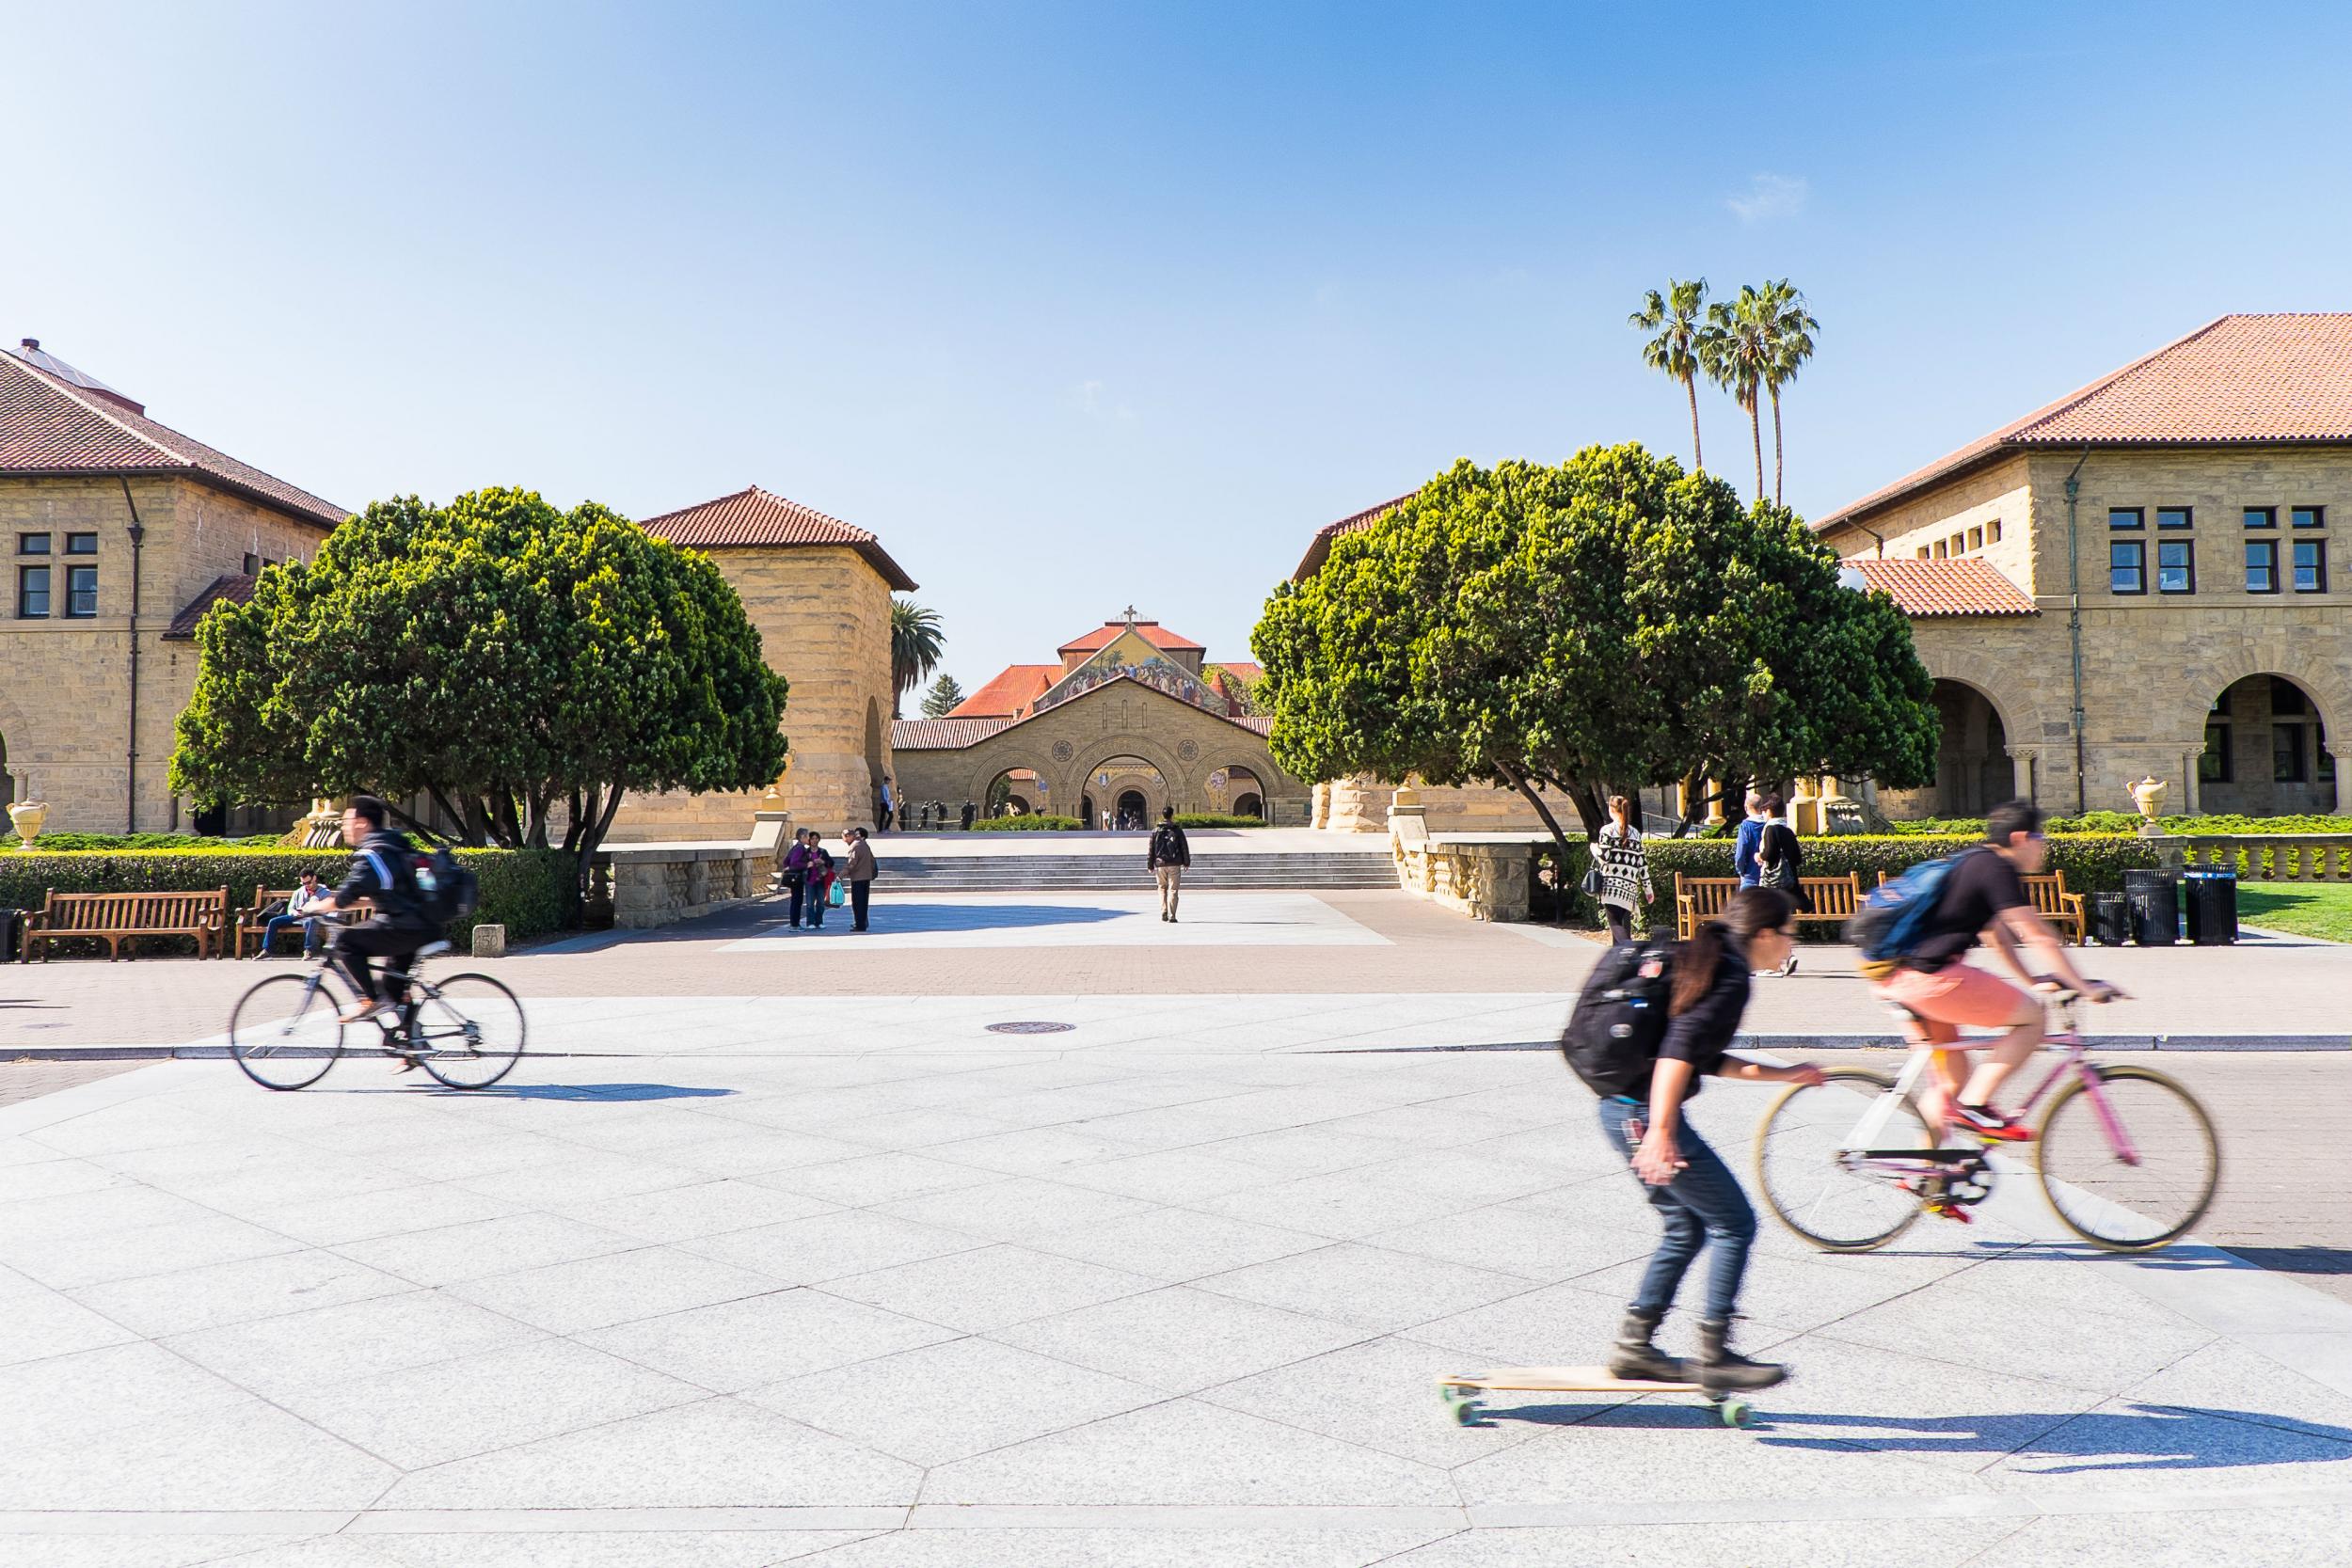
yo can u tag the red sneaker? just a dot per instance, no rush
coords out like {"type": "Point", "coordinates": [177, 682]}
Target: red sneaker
{"type": "Point", "coordinates": [1990, 1124]}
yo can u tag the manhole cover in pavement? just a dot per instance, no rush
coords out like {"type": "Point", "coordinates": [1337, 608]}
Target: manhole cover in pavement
{"type": "Point", "coordinates": [1030, 1026]}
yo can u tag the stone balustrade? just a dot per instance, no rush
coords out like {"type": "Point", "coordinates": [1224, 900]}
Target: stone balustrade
{"type": "Point", "coordinates": [2264, 857]}
{"type": "Point", "coordinates": [656, 884]}
{"type": "Point", "coordinates": [1484, 875]}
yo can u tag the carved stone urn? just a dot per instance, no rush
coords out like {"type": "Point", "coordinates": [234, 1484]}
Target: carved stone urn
{"type": "Point", "coordinates": [27, 814]}
{"type": "Point", "coordinates": [2147, 794]}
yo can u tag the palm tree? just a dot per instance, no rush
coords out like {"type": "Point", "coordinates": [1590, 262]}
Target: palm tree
{"type": "Point", "coordinates": [1734, 348]}
{"type": "Point", "coordinates": [1790, 328]}
{"type": "Point", "coordinates": [917, 645]}
{"type": "Point", "coordinates": [1675, 316]}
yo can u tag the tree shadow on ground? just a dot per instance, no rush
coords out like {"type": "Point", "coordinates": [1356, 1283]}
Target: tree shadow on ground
{"type": "Point", "coordinates": [592, 1092]}
{"type": "Point", "coordinates": [2297, 1259]}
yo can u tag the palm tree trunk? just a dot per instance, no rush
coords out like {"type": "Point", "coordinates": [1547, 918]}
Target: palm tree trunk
{"type": "Point", "coordinates": [1779, 457]}
{"type": "Point", "coordinates": [1756, 431]}
{"type": "Point", "coordinates": [1691, 387]}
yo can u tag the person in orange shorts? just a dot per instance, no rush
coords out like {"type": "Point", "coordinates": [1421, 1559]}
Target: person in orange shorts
{"type": "Point", "coordinates": [1984, 896]}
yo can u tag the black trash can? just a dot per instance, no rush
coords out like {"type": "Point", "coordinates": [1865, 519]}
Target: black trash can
{"type": "Point", "coordinates": [2110, 919]}
{"type": "Point", "coordinates": [2210, 898]}
{"type": "Point", "coordinates": [11, 932]}
{"type": "Point", "coordinates": [2155, 906]}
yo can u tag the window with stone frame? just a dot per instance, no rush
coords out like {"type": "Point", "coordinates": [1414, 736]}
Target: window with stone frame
{"type": "Point", "coordinates": [2262, 516]}
{"type": "Point", "coordinates": [2309, 517]}
{"type": "Point", "coordinates": [1976, 538]}
{"type": "Point", "coordinates": [81, 593]}
{"type": "Point", "coordinates": [32, 593]}
{"type": "Point", "coordinates": [2176, 566]}
{"type": "Point", "coordinates": [1993, 531]}
{"type": "Point", "coordinates": [2262, 565]}
{"type": "Point", "coordinates": [2216, 767]}
{"type": "Point", "coordinates": [2310, 565]}
{"type": "Point", "coordinates": [2126, 517]}
{"type": "Point", "coordinates": [2291, 718]}
{"type": "Point", "coordinates": [2175, 518]}
{"type": "Point", "coordinates": [2127, 566]}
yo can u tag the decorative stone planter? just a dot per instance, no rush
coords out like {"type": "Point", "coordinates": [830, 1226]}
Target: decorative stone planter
{"type": "Point", "coordinates": [28, 817]}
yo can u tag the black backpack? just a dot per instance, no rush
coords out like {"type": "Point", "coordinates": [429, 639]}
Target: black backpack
{"type": "Point", "coordinates": [446, 891]}
{"type": "Point", "coordinates": [1612, 1036]}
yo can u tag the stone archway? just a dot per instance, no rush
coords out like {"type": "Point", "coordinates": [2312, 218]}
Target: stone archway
{"type": "Point", "coordinates": [1040, 792]}
{"type": "Point", "coordinates": [1978, 764]}
{"type": "Point", "coordinates": [2268, 750]}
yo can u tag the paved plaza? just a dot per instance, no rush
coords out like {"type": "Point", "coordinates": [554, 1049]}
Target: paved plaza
{"type": "Point", "coordinates": [853, 1279]}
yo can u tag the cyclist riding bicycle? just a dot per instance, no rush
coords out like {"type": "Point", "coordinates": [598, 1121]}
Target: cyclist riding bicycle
{"type": "Point", "coordinates": [384, 872]}
{"type": "Point", "coordinates": [1985, 896]}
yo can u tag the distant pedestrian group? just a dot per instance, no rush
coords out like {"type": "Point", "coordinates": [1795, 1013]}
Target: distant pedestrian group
{"type": "Point", "coordinates": [816, 881]}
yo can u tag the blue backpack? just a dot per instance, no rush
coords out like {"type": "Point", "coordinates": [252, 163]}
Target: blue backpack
{"type": "Point", "coordinates": [1895, 915]}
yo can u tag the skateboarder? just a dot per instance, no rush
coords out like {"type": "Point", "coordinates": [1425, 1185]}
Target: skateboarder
{"type": "Point", "coordinates": [1686, 1182]}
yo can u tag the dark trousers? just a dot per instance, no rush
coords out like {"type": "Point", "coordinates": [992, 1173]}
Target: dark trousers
{"type": "Point", "coordinates": [375, 939]}
{"type": "Point", "coordinates": [1703, 1206]}
{"type": "Point", "coordinates": [860, 893]}
{"type": "Point", "coordinates": [817, 905]}
{"type": "Point", "coordinates": [800, 891]}
{"type": "Point", "coordinates": [1620, 923]}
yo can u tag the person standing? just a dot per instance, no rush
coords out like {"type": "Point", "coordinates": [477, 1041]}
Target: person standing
{"type": "Point", "coordinates": [1743, 845]}
{"type": "Point", "coordinates": [796, 871]}
{"type": "Point", "coordinates": [860, 870]}
{"type": "Point", "coordinates": [819, 880]}
{"type": "Point", "coordinates": [1624, 868]}
{"type": "Point", "coordinates": [1780, 865]}
{"type": "Point", "coordinates": [1167, 857]}
{"type": "Point", "coordinates": [889, 804]}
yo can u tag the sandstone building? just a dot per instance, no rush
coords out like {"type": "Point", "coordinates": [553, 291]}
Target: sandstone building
{"type": "Point", "coordinates": [1131, 719]}
{"type": "Point", "coordinates": [818, 591]}
{"type": "Point", "coordinates": [120, 533]}
{"type": "Point", "coordinates": [2179, 522]}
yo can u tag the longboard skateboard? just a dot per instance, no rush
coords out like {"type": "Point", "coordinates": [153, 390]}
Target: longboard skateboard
{"type": "Point", "coordinates": [1461, 1392]}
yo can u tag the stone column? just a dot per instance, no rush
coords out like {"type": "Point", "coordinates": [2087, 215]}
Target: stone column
{"type": "Point", "coordinates": [1805, 807]}
{"type": "Point", "coordinates": [1714, 789]}
{"type": "Point", "coordinates": [2022, 761]}
{"type": "Point", "coordinates": [2192, 785]}
{"type": "Point", "coordinates": [2341, 751]}
{"type": "Point", "coordinates": [1359, 804]}
{"type": "Point", "coordinates": [1321, 809]}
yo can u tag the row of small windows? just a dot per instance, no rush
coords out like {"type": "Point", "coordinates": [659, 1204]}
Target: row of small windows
{"type": "Point", "coordinates": [37, 578]}
{"type": "Point", "coordinates": [2302, 568]}
{"type": "Point", "coordinates": [1961, 544]}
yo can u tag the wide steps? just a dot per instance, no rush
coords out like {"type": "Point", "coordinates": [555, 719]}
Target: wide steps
{"type": "Point", "coordinates": [1017, 873]}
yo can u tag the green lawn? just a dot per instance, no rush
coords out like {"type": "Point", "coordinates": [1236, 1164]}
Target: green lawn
{"type": "Point", "coordinates": [2307, 909]}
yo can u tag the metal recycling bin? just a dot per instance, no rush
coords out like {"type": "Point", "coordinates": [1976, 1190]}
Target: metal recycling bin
{"type": "Point", "coordinates": [2155, 906]}
{"type": "Point", "coordinates": [2110, 919]}
{"type": "Point", "coordinates": [2211, 899]}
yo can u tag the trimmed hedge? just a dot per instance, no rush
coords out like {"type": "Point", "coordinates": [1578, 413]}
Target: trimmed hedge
{"type": "Point", "coordinates": [1217, 819]}
{"type": "Point", "coordinates": [2128, 822]}
{"type": "Point", "coordinates": [530, 891]}
{"type": "Point", "coordinates": [2093, 862]}
{"type": "Point", "coordinates": [1031, 823]}
{"type": "Point", "coordinates": [54, 843]}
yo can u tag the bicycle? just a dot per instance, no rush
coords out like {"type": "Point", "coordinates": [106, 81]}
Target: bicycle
{"type": "Point", "coordinates": [2126, 1157]}
{"type": "Point", "coordinates": [467, 1031]}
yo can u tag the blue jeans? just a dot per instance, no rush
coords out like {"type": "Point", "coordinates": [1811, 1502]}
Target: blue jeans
{"type": "Point", "coordinates": [310, 924]}
{"type": "Point", "coordinates": [1702, 1204]}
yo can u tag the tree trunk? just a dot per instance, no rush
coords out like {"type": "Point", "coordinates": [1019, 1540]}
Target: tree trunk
{"type": "Point", "coordinates": [1780, 458]}
{"type": "Point", "coordinates": [1519, 782]}
{"type": "Point", "coordinates": [1691, 389]}
{"type": "Point", "coordinates": [599, 822]}
{"type": "Point", "coordinates": [1592, 807]}
{"type": "Point", "coordinates": [1756, 431]}
{"type": "Point", "coordinates": [575, 824]}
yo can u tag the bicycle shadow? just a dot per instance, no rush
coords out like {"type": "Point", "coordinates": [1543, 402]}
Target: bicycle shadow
{"type": "Point", "coordinates": [590, 1092]}
{"type": "Point", "coordinates": [2044, 1443]}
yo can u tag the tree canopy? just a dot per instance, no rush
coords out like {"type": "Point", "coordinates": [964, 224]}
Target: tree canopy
{"type": "Point", "coordinates": [1603, 625]}
{"type": "Point", "coordinates": [918, 643]}
{"type": "Point", "coordinates": [945, 694]}
{"type": "Point", "coordinates": [501, 657]}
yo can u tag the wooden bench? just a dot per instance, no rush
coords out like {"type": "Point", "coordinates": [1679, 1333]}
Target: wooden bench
{"type": "Point", "coordinates": [252, 923]}
{"type": "Point", "coordinates": [1700, 898]}
{"type": "Point", "coordinates": [114, 917]}
{"type": "Point", "coordinates": [2052, 902]}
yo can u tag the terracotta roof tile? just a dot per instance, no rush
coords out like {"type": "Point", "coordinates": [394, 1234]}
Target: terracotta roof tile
{"type": "Point", "coordinates": [753, 516]}
{"type": "Point", "coordinates": [1150, 631]}
{"type": "Point", "coordinates": [1319, 548]}
{"type": "Point", "coordinates": [236, 587]}
{"type": "Point", "coordinates": [2242, 379]}
{"type": "Point", "coordinates": [50, 425]}
{"type": "Point", "coordinates": [1968, 586]}
{"type": "Point", "coordinates": [936, 734]}
{"type": "Point", "coordinates": [1016, 688]}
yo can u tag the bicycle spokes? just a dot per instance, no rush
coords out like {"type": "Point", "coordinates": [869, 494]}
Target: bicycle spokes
{"type": "Point", "coordinates": [2128, 1157]}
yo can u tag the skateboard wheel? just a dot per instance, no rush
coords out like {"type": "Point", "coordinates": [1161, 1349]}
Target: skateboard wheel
{"type": "Point", "coordinates": [1737, 1413]}
{"type": "Point", "coordinates": [1460, 1405]}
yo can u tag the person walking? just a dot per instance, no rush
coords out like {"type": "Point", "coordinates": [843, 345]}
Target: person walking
{"type": "Point", "coordinates": [1167, 857]}
{"type": "Point", "coordinates": [1780, 865]}
{"type": "Point", "coordinates": [860, 870]}
{"type": "Point", "coordinates": [1743, 844]}
{"type": "Point", "coordinates": [819, 880]}
{"type": "Point", "coordinates": [1642, 1092]}
{"type": "Point", "coordinates": [310, 904]}
{"type": "Point", "coordinates": [796, 871]}
{"type": "Point", "coordinates": [1624, 868]}
{"type": "Point", "coordinates": [889, 804]}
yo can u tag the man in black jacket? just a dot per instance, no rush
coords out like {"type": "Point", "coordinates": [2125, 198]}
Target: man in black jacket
{"type": "Point", "coordinates": [1166, 858]}
{"type": "Point", "coordinates": [384, 873]}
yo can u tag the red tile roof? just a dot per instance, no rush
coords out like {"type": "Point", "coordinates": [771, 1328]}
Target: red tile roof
{"type": "Point", "coordinates": [1243, 668]}
{"type": "Point", "coordinates": [751, 516]}
{"type": "Point", "coordinates": [1968, 586]}
{"type": "Point", "coordinates": [1319, 548]}
{"type": "Point", "coordinates": [940, 734]}
{"type": "Point", "coordinates": [50, 425]}
{"type": "Point", "coordinates": [2239, 380]}
{"type": "Point", "coordinates": [236, 587]}
{"type": "Point", "coordinates": [1014, 688]}
{"type": "Point", "coordinates": [1150, 631]}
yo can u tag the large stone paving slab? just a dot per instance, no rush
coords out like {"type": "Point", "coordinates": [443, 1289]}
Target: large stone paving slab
{"type": "Point", "coordinates": [1147, 1292]}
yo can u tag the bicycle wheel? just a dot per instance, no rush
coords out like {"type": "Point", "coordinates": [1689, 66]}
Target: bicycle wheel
{"type": "Point", "coordinates": [2128, 1205]}
{"type": "Point", "coordinates": [1809, 1179]}
{"type": "Point", "coordinates": [284, 1033]}
{"type": "Point", "coordinates": [472, 1029]}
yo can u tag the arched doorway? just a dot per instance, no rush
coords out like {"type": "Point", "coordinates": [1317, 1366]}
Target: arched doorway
{"type": "Point", "coordinates": [1086, 810]}
{"type": "Point", "coordinates": [875, 767]}
{"type": "Point", "coordinates": [1237, 792]}
{"type": "Point", "coordinates": [1974, 771]}
{"type": "Point", "coordinates": [2265, 752]}
{"type": "Point", "coordinates": [1013, 792]}
{"type": "Point", "coordinates": [1132, 789]}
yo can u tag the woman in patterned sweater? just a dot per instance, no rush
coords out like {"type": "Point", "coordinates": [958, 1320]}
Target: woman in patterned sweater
{"type": "Point", "coordinates": [1624, 869]}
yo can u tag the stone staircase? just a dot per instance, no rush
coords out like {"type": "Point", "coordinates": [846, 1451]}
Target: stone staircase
{"type": "Point", "coordinates": [1306, 871]}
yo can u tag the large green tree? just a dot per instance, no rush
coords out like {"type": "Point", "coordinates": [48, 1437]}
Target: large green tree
{"type": "Point", "coordinates": [946, 693]}
{"type": "Point", "coordinates": [501, 657]}
{"type": "Point", "coordinates": [1603, 625]}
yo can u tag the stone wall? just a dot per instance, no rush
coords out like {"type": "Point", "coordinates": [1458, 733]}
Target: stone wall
{"type": "Point", "coordinates": [1485, 877]}
{"type": "Point", "coordinates": [660, 884]}
{"type": "Point", "coordinates": [823, 617]}
{"type": "Point", "coordinates": [65, 703]}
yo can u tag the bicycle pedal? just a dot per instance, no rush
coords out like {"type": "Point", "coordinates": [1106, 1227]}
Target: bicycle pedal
{"type": "Point", "coordinates": [1944, 1209]}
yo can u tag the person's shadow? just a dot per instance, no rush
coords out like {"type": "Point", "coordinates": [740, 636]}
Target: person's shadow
{"type": "Point", "coordinates": [591, 1092]}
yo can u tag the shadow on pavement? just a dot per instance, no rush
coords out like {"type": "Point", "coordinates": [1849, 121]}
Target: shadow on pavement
{"type": "Point", "coordinates": [2141, 1438]}
{"type": "Point", "coordinates": [2297, 1259]}
{"type": "Point", "coordinates": [581, 1091]}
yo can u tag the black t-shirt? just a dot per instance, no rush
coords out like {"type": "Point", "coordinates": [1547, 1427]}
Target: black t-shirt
{"type": "Point", "coordinates": [1978, 888]}
{"type": "Point", "coordinates": [1703, 1035]}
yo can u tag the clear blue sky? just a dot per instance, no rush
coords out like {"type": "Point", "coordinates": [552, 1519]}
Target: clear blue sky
{"type": "Point", "coordinates": [1076, 305]}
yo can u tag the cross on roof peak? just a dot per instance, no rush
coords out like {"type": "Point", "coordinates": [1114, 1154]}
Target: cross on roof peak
{"type": "Point", "coordinates": [1131, 615]}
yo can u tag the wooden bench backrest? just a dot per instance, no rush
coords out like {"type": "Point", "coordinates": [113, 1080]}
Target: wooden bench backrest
{"type": "Point", "coordinates": [126, 912]}
{"type": "Point", "coordinates": [1707, 895]}
{"type": "Point", "coordinates": [1833, 897]}
{"type": "Point", "coordinates": [2047, 889]}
